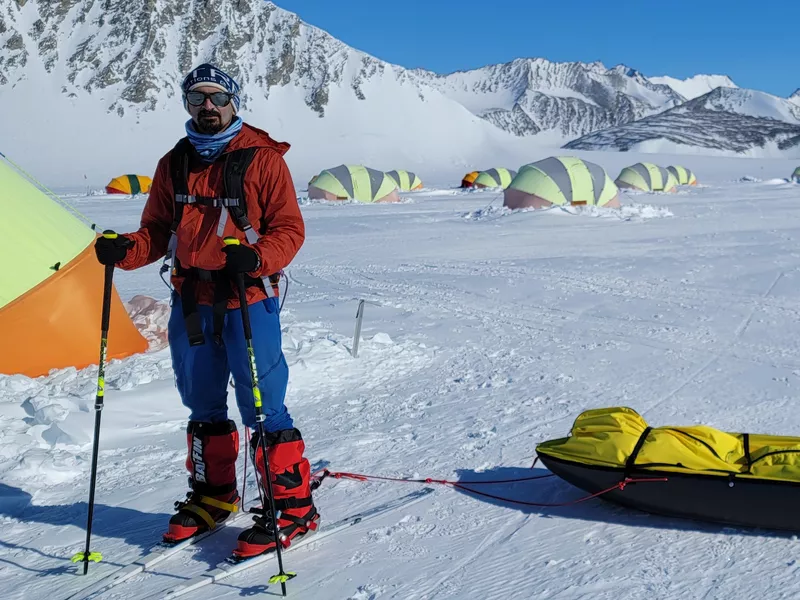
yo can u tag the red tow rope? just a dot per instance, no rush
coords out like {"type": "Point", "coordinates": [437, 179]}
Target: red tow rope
{"type": "Point", "coordinates": [319, 476]}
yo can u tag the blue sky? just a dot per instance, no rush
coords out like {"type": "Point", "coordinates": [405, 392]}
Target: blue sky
{"type": "Point", "coordinates": [757, 44]}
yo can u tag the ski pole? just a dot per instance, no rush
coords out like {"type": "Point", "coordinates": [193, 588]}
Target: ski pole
{"type": "Point", "coordinates": [87, 556]}
{"type": "Point", "coordinates": [282, 577]}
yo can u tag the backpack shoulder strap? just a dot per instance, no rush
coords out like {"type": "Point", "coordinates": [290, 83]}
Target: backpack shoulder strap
{"type": "Point", "coordinates": [179, 167]}
{"type": "Point", "coordinates": [235, 168]}
{"type": "Point", "coordinates": [179, 174]}
{"type": "Point", "coordinates": [234, 171]}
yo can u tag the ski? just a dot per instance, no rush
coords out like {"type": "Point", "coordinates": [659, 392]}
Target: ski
{"type": "Point", "coordinates": [155, 555]}
{"type": "Point", "coordinates": [231, 567]}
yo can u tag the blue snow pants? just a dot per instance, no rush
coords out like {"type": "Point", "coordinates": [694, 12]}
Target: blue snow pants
{"type": "Point", "coordinates": [202, 372]}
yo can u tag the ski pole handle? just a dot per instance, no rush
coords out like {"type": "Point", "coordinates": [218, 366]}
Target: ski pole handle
{"type": "Point", "coordinates": [107, 284]}
{"type": "Point", "coordinates": [248, 333]}
{"type": "Point", "coordinates": [110, 234]}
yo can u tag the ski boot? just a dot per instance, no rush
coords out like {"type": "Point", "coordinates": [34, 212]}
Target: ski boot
{"type": "Point", "coordinates": [213, 448]}
{"type": "Point", "coordinates": [291, 486]}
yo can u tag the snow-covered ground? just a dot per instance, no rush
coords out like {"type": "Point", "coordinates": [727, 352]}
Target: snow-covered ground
{"type": "Point", "coordinates": [485, 332]}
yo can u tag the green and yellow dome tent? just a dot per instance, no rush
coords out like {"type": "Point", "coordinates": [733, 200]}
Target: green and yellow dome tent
{"type": "Point", "coordinates": [497, 177]}
{"type": "Point", "coordinates": [129, 184]}
{"type": "Point", "coordinates": [646, 177]}
{"type": "Point", "coordinates": [682, 175]}
{"type": "Point", "coordinates": [406, 180]}
{"type": "Point", "coordinates": [796, 175]}
{"type": "Point", "coordinates": [51, 285]}
{"type": "Point", "coordinates": [354, 182]}
{"type": "Point", "coordinates": [561, 181]}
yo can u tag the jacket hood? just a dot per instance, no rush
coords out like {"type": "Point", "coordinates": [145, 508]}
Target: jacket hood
{"type": "Point", "coordinates": [253, 137]}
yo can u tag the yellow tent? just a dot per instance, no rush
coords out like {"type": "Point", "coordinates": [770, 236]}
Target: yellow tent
{"type": "Point", "coordinates": [129, 184]}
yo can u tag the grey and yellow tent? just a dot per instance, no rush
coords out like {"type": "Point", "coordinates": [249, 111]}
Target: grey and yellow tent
{"type": "Point", "coordinates": [498, 177]}
{"type": "Point", "coordinates": [682, 175]}
{"type": "Point", "coordinates": [354, 182]}
{"type": "Point", "coordinates": [796, 175]}
{"type": "Point", "coordinates": [51, 285]}
{"type": "Point", "coordinates": [693, 472]}
{"type": "Point", "coordinates": [405, 180]}
{"type": "Point", "coordinates": [647, 177]}
{"type": "Point", "coordinates": [561, 180]}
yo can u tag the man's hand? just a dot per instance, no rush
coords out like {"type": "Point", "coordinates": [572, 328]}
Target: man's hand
{"type": "Point", "coordinates": [241, 259]}
{"type": "Point", "coordinates": [111, 251]}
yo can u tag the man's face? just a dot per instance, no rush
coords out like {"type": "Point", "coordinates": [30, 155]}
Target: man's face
{"type": "Point", "coordinates": [209, 118]}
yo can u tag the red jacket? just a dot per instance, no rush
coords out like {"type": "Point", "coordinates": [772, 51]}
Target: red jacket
{"type": "Point", "coordinates": [271, 209]}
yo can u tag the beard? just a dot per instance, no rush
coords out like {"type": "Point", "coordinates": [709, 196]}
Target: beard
{"type": "Point", "coordinates": [209, 122]}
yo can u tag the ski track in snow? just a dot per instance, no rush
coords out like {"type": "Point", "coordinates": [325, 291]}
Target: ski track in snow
{"type": "Point", "coordinates": [485, 332]}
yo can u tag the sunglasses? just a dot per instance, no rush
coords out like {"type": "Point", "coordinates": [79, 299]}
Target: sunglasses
{"type": "Point", "coordinates": [217, 98]}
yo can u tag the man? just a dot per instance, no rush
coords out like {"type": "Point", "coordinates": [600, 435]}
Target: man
{"type": "Point", "coordinates": [225, 178]}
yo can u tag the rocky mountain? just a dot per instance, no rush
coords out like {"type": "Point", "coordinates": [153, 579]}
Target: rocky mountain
{"type": "Point", "coordinates": [90, 88]}
{"type": "Point", "coordinates": [692, 87]}
{"type": "Point", "coordinates": [141, 49]}
{"type": "Point", "coordinates": [733, 120]}
{"type": "Point", "coordinates": [528, 96]}
{"type": "Point", "coordinates": [747, 102]}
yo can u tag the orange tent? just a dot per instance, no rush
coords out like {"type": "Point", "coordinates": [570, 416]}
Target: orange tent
{"type": "Point", "coordinates": [469, 179]}
{"type": "Point", "coordinates": [51, 286]}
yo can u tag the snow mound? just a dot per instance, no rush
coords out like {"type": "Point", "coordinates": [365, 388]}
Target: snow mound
{"type": "Point", "coordinates": [38, 440]}
{"type": "Point", "coordinates": [628, 212]}
{"type": "Point", "coordinates": [440, 192]}
{"type": "Point", "coordinates": [382, 338]}
{"type": "Point", "coordinates": [305, 201]}
{"type": "Point", "coordinates": [32, 444]}
{"type": "Point", "coordinates": [321, 362]}
{"type": "Point", "coordinates": [491, 213]}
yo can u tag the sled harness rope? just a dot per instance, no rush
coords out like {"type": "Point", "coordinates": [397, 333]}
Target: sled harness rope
{"type": "Point", "coordinates": [322, 474]}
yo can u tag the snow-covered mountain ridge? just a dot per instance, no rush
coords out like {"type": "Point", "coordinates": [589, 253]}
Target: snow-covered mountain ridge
{"type": "Point", "coordinates": [527, 96]}
{"type": "Point", "coordinates": [87, 46]}
{"type": "Point", "coordinates": [100, 79]}
{"type": "Point", "coordinates": [731, 120]}
{"type": "Point", "coordinates": [698, 85]}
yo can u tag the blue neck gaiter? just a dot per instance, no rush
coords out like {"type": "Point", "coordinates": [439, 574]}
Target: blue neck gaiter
{"type": "Point", "coordinates": [211, 146]}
